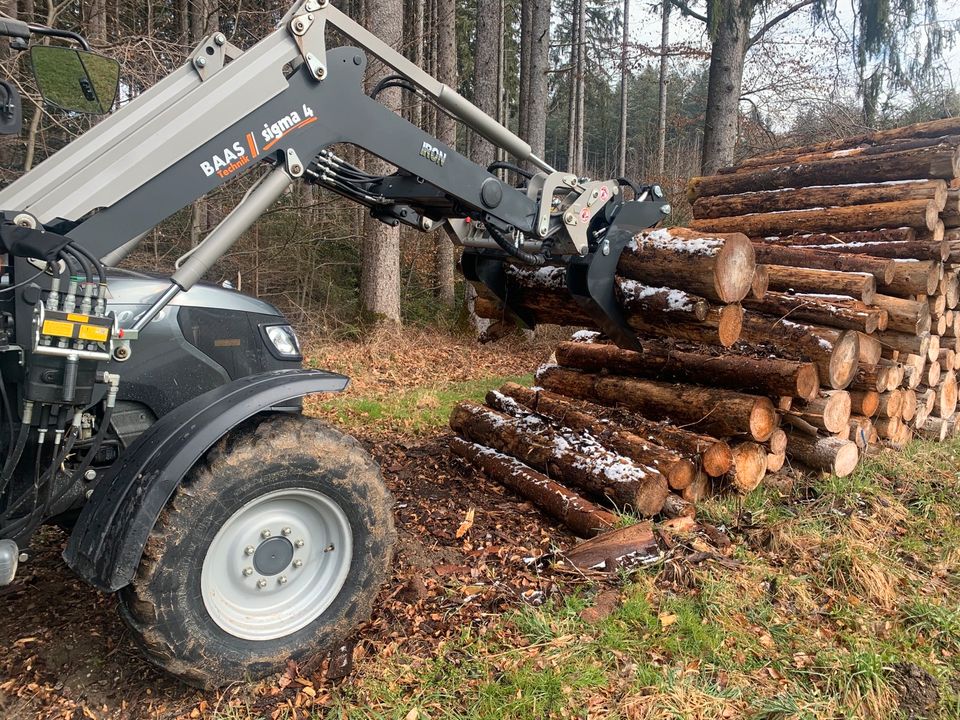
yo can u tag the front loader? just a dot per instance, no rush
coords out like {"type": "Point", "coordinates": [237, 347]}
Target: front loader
{"type": "Point", "coordinates": [158, 418]}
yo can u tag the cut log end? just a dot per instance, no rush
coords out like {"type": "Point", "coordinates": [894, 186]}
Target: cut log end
{"type": "Point", "coordinates": [731, 324]}
{"type": "Point", "coordinates": [763, 419]}
{"type": "Point", "coordinates": [844, 361]}
{"type": "Point", "coordinates": [736, 268]}
{"type": "Point", "coordinates": [749, 466]}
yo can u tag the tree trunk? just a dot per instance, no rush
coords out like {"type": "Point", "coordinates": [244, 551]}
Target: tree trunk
{"type": "Point", "coordinates": [380, 270]}
{"type": "Point", "coordinates": [444, 258]}
{"type": "Point", "coordinates": [538, 97]}
{"type": "Point", "coordinates": [580, 515]}
{"type": "Point", "coordinates": [624, 79]}
{"type": "Point", "coordinates": [731, 37]}
{"type": "Point", "coordinates": [662, 87]}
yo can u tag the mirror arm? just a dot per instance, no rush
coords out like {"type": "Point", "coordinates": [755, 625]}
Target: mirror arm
{"type": "Point", "coordinates": [67, 34]}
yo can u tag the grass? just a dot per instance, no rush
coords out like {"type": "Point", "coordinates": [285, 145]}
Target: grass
{"type": "Point", "coordinates": [844, 584]}
{"type": "Point", "coordinates": [416, 411]}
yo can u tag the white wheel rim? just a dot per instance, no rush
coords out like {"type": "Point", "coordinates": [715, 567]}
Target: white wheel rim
{"type": "Point", "coordinates": [276, 564]}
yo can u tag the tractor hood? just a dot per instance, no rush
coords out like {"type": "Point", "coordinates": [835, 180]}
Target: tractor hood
{"type": "Point", "coordinates": [134, 288]}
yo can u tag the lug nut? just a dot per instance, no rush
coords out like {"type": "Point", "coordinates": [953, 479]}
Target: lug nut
{"type": "Point", "coordinates": [265, 534]}
{"type": "Point", "coordinates": [249, 550]}
{"type": "Point", "coordinates": [286, 531]}
{"type": "Point", "coordinates": [247, 571]}
{"type": "Point", "coordinates": [282, 580]}
{"type": "Point", "coordinates": [261, 583]}
{"type": "Point", "coordinates": [298, 543]}
{"type": "Point", "coordinates": [298, 563]}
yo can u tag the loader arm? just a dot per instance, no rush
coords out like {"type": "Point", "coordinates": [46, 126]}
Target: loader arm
{"type": "Point", "coordinates": [274, 111]}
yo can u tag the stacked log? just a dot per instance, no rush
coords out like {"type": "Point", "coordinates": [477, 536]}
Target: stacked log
{"type": "Point", "coordinates": [883, 206]}
{"type": "Point", "coordinates": [808, 316]}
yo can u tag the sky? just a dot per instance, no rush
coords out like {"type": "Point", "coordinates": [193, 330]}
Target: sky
{"type": "Point", "coordinates": [796, 67]}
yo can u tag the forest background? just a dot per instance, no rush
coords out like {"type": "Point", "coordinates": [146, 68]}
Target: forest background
{"type": "Point", "coordinates": [654, 91]}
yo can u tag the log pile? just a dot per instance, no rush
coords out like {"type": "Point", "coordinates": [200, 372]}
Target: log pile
{"type": "Point", "coordinates": [807, 317]}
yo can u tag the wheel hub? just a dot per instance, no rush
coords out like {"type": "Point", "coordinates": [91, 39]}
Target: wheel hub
{"type": "Point", "coordinates": [277, 563]}
{"type": "Point", "coordinates": [273, 556]}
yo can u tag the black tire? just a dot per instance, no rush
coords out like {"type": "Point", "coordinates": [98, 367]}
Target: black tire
{"type": "Point", "coordinates": [163, 605]}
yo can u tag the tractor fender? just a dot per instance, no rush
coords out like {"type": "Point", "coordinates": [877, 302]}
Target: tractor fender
{"type": "Point", "coordinates": [112, 529]}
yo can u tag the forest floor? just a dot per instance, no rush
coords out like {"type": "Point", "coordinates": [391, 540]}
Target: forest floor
{"type": "Point", "coordinates": [837, 598]}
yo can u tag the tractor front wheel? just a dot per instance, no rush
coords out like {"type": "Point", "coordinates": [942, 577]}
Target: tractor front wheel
{"type": "Point", "coordinates": [274, 547]}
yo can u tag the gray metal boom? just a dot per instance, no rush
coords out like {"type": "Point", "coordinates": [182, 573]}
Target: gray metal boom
{"type": "Point", "coordinates": [225, 111]}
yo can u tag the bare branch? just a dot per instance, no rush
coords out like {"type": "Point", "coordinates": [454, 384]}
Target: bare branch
{"type": "Point", "coordinates": [776, 19]}
{"type": "Point", "coordinates": [682, 6]}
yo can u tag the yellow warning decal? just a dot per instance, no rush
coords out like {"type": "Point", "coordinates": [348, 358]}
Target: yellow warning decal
{"type": "Point", "coordinates": [94, 333]}
{"type": "Point", "coordinates": [77, 317]}
{"type": "Point", "coordinates": [58, 328]}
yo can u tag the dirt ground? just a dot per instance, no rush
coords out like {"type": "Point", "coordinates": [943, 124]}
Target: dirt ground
{"type": "Point", "coordinates": [68, 655]}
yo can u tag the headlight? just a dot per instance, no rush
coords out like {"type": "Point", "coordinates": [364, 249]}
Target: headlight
{"type": "Point", "coordinates": [284, 341]}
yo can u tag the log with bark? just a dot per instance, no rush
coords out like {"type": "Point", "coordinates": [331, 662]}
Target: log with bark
{"type": "Point", "coordinates": [764, 375]}
{"type": "Point", "coordinates": [714, 456]}
{"type": "Point", "coordinates": [835, 352]}
{"type": "Point", "coordinates": [862, 286]}
{"type": "Point", "coordinates": [855, 238]}
{"type": "Point", "coordinates": [929, 129]}
{"type": "Point", "coordinates": [889, 404]}
{"type": "Point", "coordinates": [579, 514]}
{"type": "Point", "coordinates": [922, 214]}
{"type": "Point", "coordinates": [843, 149]}
{"type": "Point", "coordinates": [936, 162]}
{"type": "Point", "coordinates": [913, 277]}
{"type": "Point", "coordinates": [719, 269]}
{"type": "Point", "coordinates": [904, 315]}
{"type": "Point", "coordinates": [574, 458]}
{"type": "Point", "coordinates": [807, 257]}
{"type": "Point", "coordinates": [918, 249]}
{"type": "Point", "coordinates": [678, 471]}
{"type": "Point", "coordinates": [821, 196]}
{"type": "Point", "coordinates": [946, 404]}
{"type": "Point", "coordinates": [719, 412]}
{"type": "Point", "coordinates": [829, 454]}
{"type": "Point", "coordinates": [829, 412]}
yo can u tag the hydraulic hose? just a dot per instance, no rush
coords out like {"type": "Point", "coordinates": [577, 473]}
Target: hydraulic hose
{"type": "Point", "coordinates": [15, 456]}
{"type": "Point", "coordinates": [511, 249]}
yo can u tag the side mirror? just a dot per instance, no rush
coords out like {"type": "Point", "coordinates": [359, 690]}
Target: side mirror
{"type": "Point", "coordinates": [11, 114]}
{"type": "Point", "coordinates": [75, 80]}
